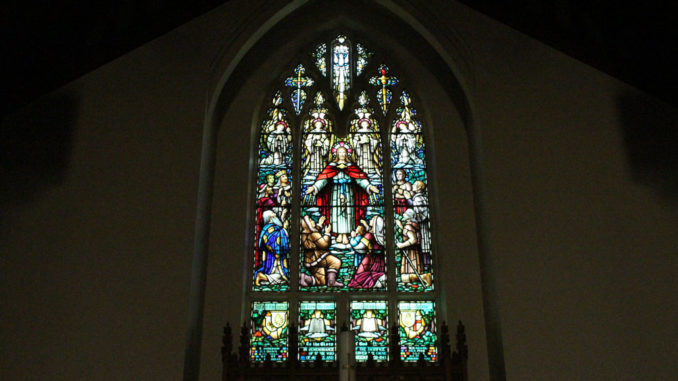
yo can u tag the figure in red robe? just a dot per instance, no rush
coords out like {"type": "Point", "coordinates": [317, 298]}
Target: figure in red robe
{"type": "Point", "coordinates": [342, 192]}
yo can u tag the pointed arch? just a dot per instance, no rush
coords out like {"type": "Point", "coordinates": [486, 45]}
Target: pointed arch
{"type": "Point", "coordinates": [232, 79]}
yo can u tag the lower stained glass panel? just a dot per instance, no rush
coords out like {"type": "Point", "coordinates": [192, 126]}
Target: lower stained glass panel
{"type": "Point", "coordinates": [416, 321]}
{"type": "Point", "coordinates": [369, 322]}
{"type": "Point", "coordinates": [269, 331]}
{"type": "Point", "coordinates": [317, 332]}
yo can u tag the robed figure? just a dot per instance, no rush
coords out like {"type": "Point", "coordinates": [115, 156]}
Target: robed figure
{"type": "Point", "coordinates": [274, 249]}
{"type": "Point", "coordinates": [342, 192]}
{"type": "Point", "coordinates": [369, 246]}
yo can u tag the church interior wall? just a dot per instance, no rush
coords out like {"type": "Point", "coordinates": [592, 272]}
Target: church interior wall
{"type": "Point", "coordinates": [96, 250]}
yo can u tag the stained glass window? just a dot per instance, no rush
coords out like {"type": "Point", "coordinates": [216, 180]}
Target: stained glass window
{"type": "Point", "coordinates": [317, 331]}
{"type": "Point", "coordinates": [369, 322]}
{"type": "Point", "coordinates": [340, 211]}
{"type": "Point", "coordinates": [417, 331]}
{"type": "Point", "coordinates": [320, 57]}
{"type": "Point", "coordinates": [269, 331]}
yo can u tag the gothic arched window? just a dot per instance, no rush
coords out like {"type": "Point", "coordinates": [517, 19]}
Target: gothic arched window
{"type": "Point", "coordinates": [342, 228]}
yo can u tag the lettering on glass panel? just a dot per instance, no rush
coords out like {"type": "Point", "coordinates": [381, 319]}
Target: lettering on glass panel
{"type": "Point", "coordinates": [369, 322]}
{"type": "Point", "coordinates": [268, 335]}
{"type": "Point", "coordinates": [317, 331]}
{"type": "Point", "coordinates": [416, 327]}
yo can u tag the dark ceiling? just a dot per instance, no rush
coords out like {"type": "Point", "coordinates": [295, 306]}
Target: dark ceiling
{"type": "Point", "coordinates": [48, 45]}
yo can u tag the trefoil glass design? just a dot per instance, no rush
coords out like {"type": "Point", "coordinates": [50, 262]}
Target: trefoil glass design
{"type": "Point", "coordinates": [297, 84]}
{"type": "Point", "coordinates": [383, 81]}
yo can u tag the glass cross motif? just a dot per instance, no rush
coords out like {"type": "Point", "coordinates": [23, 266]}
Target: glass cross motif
{"type": "Point", "coordinates": [297, 83]}
{"type": "Point", "coordinates": [383, 80]}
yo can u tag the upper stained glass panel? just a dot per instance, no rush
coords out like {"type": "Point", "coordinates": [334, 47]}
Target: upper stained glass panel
{"type": "Point", "coordinates": [341, 69]}
{"type": "Point", "coordinates": [363, 58]}
{"type": "Point", "coordinates": [410, 201]}
{"type": "Point", "coordinates": [297, 83]}
{"type": "Point", "coordinates": [273, 202]}
{"type": "Point", "coordinates": [342, 216]}
{"type": "Point", "coordinates": [320, 58]}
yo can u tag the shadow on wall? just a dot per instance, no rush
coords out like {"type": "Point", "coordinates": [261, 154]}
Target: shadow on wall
{"type": "Point", "coordinates": [35, 148]}
{"type": "Point", "coordinates": [651, 138]}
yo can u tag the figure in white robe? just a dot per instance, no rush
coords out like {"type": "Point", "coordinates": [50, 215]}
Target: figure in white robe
{"type": "Point", "coordinates": [365, 141]}
{"type": "Point", "coordinates": [317, 144]}
{"type": "Point", "coordinates": [278, 143]}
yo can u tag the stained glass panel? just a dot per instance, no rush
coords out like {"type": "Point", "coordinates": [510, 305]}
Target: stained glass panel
{"type": "Point", "coordinates": [410, 201]}
{"type": "Point", "coordinates": [320, 58]}
{"type": "Point", "coordinates": [369, 322]}
{"type": "Point", "coordinates": [363, 57]}
{"type": "Point", "coordinates": [297, 83]}
{"type": "Point", "coordinates": [342, 223]}
{"type": "Point", "coordinates": [341, 69]}
{"type": "Point", "coordinates": [384, 81]}
{"type": "Point", "coordinates": [317, 330]}
{"type": "Point", "coordinates": [273, 202]}
{"type": "Point", "coordinates": [417, 331]}
{"type": "Point", "coordinates": [268, 335]}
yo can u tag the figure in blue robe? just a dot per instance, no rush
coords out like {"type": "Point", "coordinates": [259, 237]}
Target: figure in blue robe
{"type": "Point", "coordinates": [274, 246]}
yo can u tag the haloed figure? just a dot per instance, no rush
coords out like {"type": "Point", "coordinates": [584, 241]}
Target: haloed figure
{"type": "Point", "coordinates": [341, 180]}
